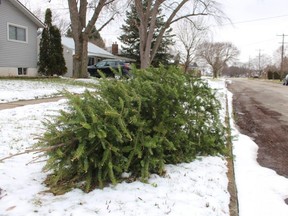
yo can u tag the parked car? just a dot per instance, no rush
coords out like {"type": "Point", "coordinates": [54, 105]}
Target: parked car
{"type": "Point", "coordinates": [108, 66]}
{"type": "Point", "coordinates": [285, 80]}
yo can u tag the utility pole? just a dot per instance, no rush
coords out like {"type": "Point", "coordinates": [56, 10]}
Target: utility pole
{"type": "Point", "coordinates": [259, 63]}
{"type": "Point", "coordinates": [282, 56]}
{"type": "Point", "coordinates": [249, 67]}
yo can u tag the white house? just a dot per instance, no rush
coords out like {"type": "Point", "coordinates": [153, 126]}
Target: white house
{"type": "Point", "coordinates": [95, 54]}
{"type": "Point", "coordinates": [18, 39]}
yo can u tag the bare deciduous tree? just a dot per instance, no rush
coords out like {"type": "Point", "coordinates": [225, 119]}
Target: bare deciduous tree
{"type": "Point", "coordinates": [81, 29]}
{"type": "Point", "coordinates": [175, 11]}
{"type": "Point", "coordinates": [82, 26]}
{"type": "Point", "coordinates": [277, 58]}
{"type": "Point", "coordinates": [190, 35]}
{"type": "Point", "coordinates": [217, 55]}
{"type": "Point", "coordinates": [259, 63]}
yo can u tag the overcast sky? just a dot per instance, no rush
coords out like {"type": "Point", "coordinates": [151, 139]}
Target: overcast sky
{"type": "Point", "coordinates": [255, 29]}
{"type": "Point", "coordinates": [256, 26]}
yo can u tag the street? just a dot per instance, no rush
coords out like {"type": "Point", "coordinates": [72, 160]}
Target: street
{"type": "Point", "coordinates": [261, 112]}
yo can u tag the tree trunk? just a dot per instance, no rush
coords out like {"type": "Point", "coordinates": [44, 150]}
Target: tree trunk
{"type": "Point", "coordinates": [80, 59]}
{"type": "Point", "coordinates": [80, 32]}
{"type": "Point", "coordinates": [215, 74]}
{"type": "Point", "coordinates": [145, 60]}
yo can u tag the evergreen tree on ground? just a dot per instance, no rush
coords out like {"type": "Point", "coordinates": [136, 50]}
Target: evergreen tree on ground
{"type": "Point", "coordinates": [51, 59]}
{"type": "Point", "coordinates": [131, 40]}
{"type": "Point", "coordinates": [161, 116]}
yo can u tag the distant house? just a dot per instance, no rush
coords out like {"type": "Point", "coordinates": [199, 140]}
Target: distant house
{"type": "Point", "coordinates": [18, 39]}
{"type": "Point", "coordinates": [114, 49]}
{"type": "Point", "coordinates": [95, 54]}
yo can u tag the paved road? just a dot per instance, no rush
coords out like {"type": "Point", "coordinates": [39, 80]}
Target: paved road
{"type": "Point", "coordinates": [261, 112]}
{"type": "Point", "coordinates": [273, 95]}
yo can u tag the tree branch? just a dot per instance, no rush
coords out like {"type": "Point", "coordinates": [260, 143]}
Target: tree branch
{"type": "Point", "coordinates": [95, 16]}
{"type": "Point", "coordinates": [107, 22]}
{"type": "Point", "coordinates": [189, 15]}
{"type": "Point", "coordinates": [36, 150]}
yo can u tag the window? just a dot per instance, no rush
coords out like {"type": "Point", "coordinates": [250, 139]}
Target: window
{"type": "Point", "coordinates": [90, 61]}
{"type": "Point", "coordinates": [22, 71]}
{"type": "Point", "coordinates": [101, 64]}
{"type": "Point", "coordinates": [17, 33]}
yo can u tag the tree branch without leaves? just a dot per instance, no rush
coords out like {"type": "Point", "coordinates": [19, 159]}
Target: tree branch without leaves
{"type": "Point", "coordinates": [174, 13]}
{"type": "Point", "coordinates": [39, 150]}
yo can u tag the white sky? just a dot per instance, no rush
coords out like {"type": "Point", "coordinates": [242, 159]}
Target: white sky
{"type": "Point", "coordinates": [256, 24]}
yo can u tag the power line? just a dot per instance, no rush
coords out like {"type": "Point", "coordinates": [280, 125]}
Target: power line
{"type": "Point", "coordinates": [252, 20]}
{"type": "Point", "coordinates": [260, 19]}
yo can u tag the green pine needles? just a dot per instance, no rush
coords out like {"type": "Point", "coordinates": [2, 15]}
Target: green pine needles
{"type": "Point", "coordinates": [159, 117]}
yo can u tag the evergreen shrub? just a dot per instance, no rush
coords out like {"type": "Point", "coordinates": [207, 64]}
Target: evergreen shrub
{"type": "Point", "coordinates": [161, 116]}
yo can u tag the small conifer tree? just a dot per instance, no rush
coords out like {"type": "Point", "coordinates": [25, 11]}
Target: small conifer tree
{"type": "Point", "coordinates": [51, 59]}
{"type": "Point", "coordinates": [131, 40]}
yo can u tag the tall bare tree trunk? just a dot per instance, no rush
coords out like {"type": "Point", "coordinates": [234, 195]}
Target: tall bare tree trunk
{"type": "Point", "coordinates": [80, 58]}
{"type": "Point", "coordinates": [145, 60]}
{"type": "Point", "coordinates": [147, 15]}
{"type": "Point", "coordinates": [81, 31]}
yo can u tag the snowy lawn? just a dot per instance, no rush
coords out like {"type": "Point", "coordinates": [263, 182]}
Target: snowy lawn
{"type": "Point", "coordinates": [197, 188]}
{"type": "Point", "coordinates": [14, 90]}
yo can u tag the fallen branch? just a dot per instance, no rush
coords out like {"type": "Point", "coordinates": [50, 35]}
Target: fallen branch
{"type": "Point", "coordinates": [36, 160]}
{"type": "Point", "coordinates": [33, 150]}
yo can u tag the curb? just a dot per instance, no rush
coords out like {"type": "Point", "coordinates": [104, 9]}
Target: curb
{"type": "Point", "coordinates": [232, 188]}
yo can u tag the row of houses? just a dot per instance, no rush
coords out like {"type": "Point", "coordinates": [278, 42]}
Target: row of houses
{"type": "Point", "coordinates": [19, 42]}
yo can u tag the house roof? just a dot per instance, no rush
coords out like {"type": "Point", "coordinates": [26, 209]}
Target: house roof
{"type": "Point", "coordinates": [28, 13]}
{"type": "Point", "coordinates": [93, 50]}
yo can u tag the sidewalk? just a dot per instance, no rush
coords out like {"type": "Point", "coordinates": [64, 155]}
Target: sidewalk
{"type": "Point", "coordinates": [20, 103]}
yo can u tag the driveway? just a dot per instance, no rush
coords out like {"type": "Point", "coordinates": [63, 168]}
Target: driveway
{"type": "Point", "coordinates": [261, 112]}
{"type": "Point", "coordinates": [28, 102]}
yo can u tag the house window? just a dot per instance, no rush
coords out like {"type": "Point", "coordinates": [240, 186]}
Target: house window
{"type": "Point", "coordinates": [22, 71]}
{"type": "Point", "coordinates": [17, 33]}
{"type": "Point", "coordinates": [91, 61]}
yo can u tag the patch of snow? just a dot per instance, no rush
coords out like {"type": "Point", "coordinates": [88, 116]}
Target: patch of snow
{"type": "Point", "coordinates": [197, 188]}
{"type": "Point", "coordinates": [14, 90]}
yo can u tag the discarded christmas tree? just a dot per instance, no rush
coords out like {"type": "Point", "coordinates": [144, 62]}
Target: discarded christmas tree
{"type": "Point", "coordinates": [159, 117]}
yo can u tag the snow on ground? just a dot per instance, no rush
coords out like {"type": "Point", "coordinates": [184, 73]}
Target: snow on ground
{"type": "Point", "coordinates": [14, 90]}
{"type": "Point", "coordinates": [197, 188]}
{"type": "Point", "coordinates": [261, 191]}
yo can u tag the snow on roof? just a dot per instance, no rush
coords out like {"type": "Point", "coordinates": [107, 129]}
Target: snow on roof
{"type": "Point", "coordinates": [93, 50]}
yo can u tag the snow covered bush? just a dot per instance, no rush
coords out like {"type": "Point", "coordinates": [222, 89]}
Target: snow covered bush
{"type": "Point", "coordinates": [135, 126]}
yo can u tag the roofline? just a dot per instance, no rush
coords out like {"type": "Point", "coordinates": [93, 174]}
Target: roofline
{"type": "Point", "coordinates": [28, 13]}
{"type": "Point", "coordinates": [90, 53]}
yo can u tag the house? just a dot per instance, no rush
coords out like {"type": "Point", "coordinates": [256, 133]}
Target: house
{"type": "Point", "coordinates": [18, 39]}
{"type": "Point", "coordinates": [114, 49]}
{"type": "Point", "coordinates": [95, 54]}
